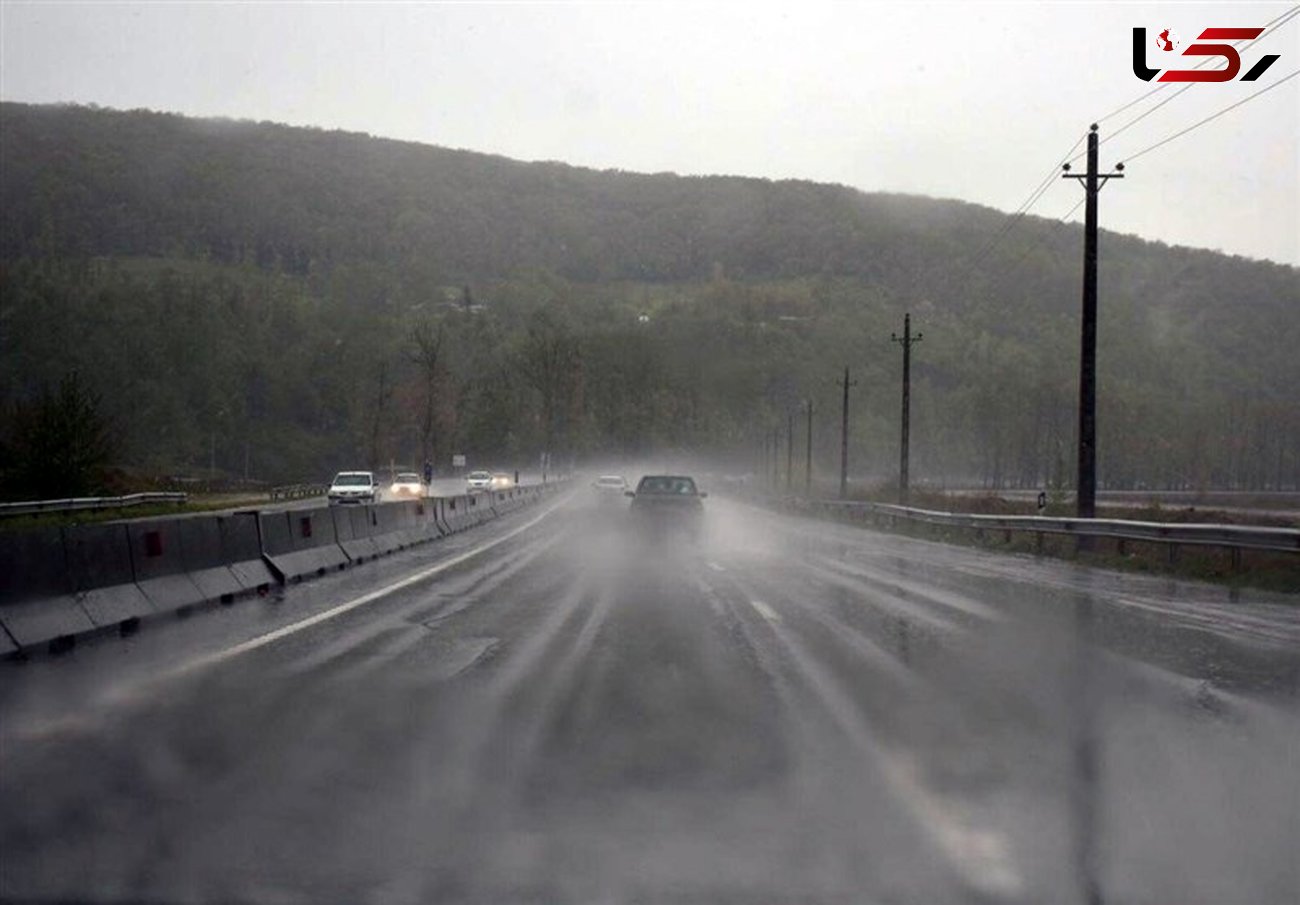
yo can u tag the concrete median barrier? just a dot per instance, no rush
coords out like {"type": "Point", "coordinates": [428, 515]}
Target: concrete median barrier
{"type": "Point", "coordinates": [160, 572]}
{"type": "Point", "coordinates": [214, 557]}
{"type": "Point", "coordinates": [356, 527]}
{"type": "Point", "coordinates": [99, 559]}
{"type": "Point", "coordinates": [37, 603]}
{"type": "Point", "coordinates": [458, 515]}
{"type": "Point", "coordinates": [440, 515]}
{"type": "Point", "coordinates": [391, 523]}
{"type": "Point", "coordinates": [301, 542]}
{"type": "Point", "coordinates": [241, 550]}
{"type": "Point", "coordinates": [426, 526]}
{"type": "Point", "coordinates": [479, 506]}
{"type": "Point", "coordinates": [57, 583]}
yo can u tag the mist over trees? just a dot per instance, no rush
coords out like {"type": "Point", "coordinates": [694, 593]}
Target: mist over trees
{"type": "Point", "coordinates": [286, 302]}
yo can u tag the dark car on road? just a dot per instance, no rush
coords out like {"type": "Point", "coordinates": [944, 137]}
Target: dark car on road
{"type": "Point", "coordinates": [668, 502]}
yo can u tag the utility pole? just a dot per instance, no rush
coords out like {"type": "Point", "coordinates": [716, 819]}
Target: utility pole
{"type": "Point", "coordinates": [807, 463]}
{"type": "Point", "coordinates": [1092, 183]}
{"type": "Point", "coordinates": [844, 434]}
{"type": "Point", "coordinates": [906, 341]}
{"type": "Point", "coordinates": [789, 449]}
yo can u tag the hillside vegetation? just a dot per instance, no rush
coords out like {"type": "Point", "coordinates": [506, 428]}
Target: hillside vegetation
{"type": "Point", "coordinates": [283, 302]}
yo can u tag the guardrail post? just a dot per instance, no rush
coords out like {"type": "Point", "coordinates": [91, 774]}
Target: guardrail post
{"type": "Point", "coordinates": [1236, 559]}
{"type": "Point", "coordinates": [1174, 550]}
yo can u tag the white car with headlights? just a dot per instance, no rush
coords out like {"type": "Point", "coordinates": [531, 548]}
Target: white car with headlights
{"type": "Point", "coordinates": [354, 487]}
{"type": "Point", "coordinates": [407, 485]}
{"type": "Point", "coordinates": [478, 480]}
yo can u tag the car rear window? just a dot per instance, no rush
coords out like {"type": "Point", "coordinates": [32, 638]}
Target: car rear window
{"type": "Point", "coordinates": [667, 485]}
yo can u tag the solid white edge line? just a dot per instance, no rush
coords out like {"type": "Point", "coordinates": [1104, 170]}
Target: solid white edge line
{"type": "Point", "coordinates": [284, 631]}
{"type": "Point", "coordinates": [125, 692]}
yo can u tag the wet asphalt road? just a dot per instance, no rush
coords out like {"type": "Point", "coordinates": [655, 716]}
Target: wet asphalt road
{"type": "Point", "coordinates": [794, 711]}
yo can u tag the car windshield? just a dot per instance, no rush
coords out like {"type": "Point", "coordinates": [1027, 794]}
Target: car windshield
{"type": "Point", "coordinates": [407, 478]}
{"type": "Point", "coordinates": [480, 476]}
{"type": "Point", "coordinates": [353, 479]}
{"type": "Point", "coordinates": [611, 482]}
{"type": "Point", "coordinates": [666, 485]}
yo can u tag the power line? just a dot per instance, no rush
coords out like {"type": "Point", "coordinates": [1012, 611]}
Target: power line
{"type": "Point", "coordinates": [1211, 117]}
{"type": "Point", "coordinates": [1141, 116]}
{"type": "Point", "coordinates": [977, 259]}
{"type": "Point", "coordinates": [1275, 24]}
{"type": "Point", "coordinates": [1029, 248]}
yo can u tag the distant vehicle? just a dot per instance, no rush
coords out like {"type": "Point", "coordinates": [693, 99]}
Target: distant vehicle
{"type": "Point", "coordinates": [501, 479]}
{"type": "Point", "coordinates": [354, 487]}
{"type": "Point", "coordinates": [479, 480]}
{"type": "Point", "coordinates": [609, 489]}
{"type": "Point", "coordinates": [407, 484]}
{"type": "Point", "coordinates": [668, 502]}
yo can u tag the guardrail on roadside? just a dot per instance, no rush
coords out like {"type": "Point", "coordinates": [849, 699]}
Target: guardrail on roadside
{"type": "Point", "coordinates": [75, 504]}
{"type": "Point", "coordinates": [1232, 537]}
{"type": "Point", "coordinates": [298, 491]}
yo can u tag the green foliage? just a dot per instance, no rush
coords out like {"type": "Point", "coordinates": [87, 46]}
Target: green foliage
{"type": "Point", "coordinates": [290, 302]}
{"type": "Point", "coordinates": [60, 443]}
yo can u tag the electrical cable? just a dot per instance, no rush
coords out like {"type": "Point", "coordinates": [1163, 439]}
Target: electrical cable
{"type": "Point", "coordinates": [1275, 24]}
{"type": "Point", "coordinates": [1011, 223]}
{"type": "Point", "coordinates": [1211, 117]}
{"type": "Point", "coordinates": [1269, 28]}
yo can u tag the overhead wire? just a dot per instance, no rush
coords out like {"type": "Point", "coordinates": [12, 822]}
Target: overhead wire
{"type": "Point", "coordinates": [1269, 27]}
{"type": "Point", "coordinates": [1036, 194]}
{"type": "Point", "coordinates": [1011, 223]}
{"type": "Point", "coordinates": [1274, 24]}
{"type": "Point", "coordinates": [1012, 268]}
{"type": "Point", "coordinates": [1213, 116]}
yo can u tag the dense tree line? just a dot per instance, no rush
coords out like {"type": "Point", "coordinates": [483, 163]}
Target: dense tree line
{"type": "Point", "coordinates": [287, 301]}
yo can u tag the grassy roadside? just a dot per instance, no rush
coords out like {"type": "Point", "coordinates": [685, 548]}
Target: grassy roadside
{"type": "Point", "coordinates": [205, 503]}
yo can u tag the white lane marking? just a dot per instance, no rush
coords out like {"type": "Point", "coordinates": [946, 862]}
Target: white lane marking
{"type": "Point", "coordinates": [283, 632]}
{"type": "Point", "coordinates": [765, 611]}
{"type": "Point", "coordinates": [982, 853]}
{"type": "Point", "coordinates": [125, 693]}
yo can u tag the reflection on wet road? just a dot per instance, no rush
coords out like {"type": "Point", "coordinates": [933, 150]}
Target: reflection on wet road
{"type": "Point", "coordinates": [792, 712]}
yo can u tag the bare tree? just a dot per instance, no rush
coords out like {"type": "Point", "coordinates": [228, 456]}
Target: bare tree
{"type": "Point", "coordinates": [426, 353]}
{"type": "Point", "coordinates": [549, 363]}
{"type": "Point", "coordinates": [383, 395]}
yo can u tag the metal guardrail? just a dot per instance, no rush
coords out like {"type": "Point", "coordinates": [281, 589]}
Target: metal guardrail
{"type": "Point", "coordinates": [298, 491]}
{"type": "Point", "coordinates": [1236, 537]}
{"type": "Point", "coordinates": [76, 504]}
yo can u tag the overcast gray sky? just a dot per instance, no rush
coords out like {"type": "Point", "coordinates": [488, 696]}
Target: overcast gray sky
{"type": "Point", "coordinates": [975, 101]}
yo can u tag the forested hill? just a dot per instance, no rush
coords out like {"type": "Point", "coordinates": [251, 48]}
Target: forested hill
{"type": "Point", "coordinates": [80, 181]}
{"type": "Point", "coordinates": [122, 222]}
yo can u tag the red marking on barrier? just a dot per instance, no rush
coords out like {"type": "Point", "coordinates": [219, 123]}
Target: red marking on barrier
{"type": "Point", "coordinates": [153, 543]}
{"type": "Point", "coordinates": [304, 526]}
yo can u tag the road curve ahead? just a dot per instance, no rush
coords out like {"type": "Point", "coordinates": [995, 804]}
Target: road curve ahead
{"type": "Point", "coordinates": [793, 711]}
